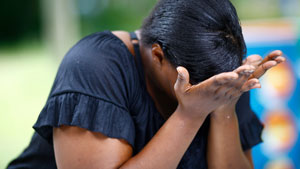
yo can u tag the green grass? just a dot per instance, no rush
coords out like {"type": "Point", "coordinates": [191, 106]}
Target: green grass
{"type": "Point", "coordinates": [26, 76]}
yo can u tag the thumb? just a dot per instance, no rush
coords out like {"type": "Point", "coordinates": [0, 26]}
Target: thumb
{"type": "Point", "coordinates": [183, 79]}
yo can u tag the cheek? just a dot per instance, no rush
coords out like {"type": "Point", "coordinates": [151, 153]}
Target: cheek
{"type": "Point", "coordinates": [172, 77]}
{"type": "Point", "coordinates": [169, 73]}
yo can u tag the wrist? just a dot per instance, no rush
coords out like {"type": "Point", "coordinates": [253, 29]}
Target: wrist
{"type": "Point", "coordinates": [190, 116]}
{"type": "Point", "coordinates": [224, 112]}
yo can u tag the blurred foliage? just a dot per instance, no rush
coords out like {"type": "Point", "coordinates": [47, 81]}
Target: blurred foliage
{"type": "Point", "coordinates": [112, 14]}
{"type": "Point", "coordinates": [22, 19]}
{"type": "Point", "coordinates": [257, 8]}
{"type": "Point", "coordinates": [19, 20]}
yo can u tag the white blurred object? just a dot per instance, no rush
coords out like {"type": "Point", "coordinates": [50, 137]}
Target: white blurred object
{"type": "Point", "coordinates": [92, 7]}
{"type": "Point", "coordinates": [60, 25]}
{"type": "Point", "coordinates": [270, 32]}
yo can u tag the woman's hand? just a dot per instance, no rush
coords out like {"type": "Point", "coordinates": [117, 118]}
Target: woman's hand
{"type": "Point", "coordinates": [222, 91]}
{"type": "Point", "coordinates": [224, 148]}
{"type": "Point", "coordinates": [197, 101]}
{"type": "Point", "coordinates": [261, 67]}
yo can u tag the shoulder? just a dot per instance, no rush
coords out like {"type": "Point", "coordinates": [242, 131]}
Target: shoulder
{"type": "Point", "coordinates": [126, 39]}
{"type": "Point", "coordinates": [97, 65]}
{"type": "Point", "coordinates": [98, 54]}
{"type": "Point", "coordinates": [97, 46]}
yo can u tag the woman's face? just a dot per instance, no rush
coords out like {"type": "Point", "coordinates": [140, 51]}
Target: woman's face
{"type": "Point", "coordinates": [167, 76]}
{"type": "Point", "coordinates": [160, 71]}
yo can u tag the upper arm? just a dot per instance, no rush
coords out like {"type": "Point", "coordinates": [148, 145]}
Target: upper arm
{"type": "Point", "coordinates": [248, 154]}
{"type": "Point", "coordinates": [75, 147]}
{"type": "Point", "coordinates": [249, 125]}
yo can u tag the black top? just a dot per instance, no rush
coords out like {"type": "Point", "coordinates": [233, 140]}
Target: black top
{"type": "Point", "coordinates": [100, 87]}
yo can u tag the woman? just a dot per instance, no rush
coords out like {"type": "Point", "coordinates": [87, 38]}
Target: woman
{"type": "Point", "coordinates": [163, 97]}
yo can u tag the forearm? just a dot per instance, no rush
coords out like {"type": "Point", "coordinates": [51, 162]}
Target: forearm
{"type": "Point", "coordinates": [167, 147]}
{"type": "Point", "coordinates": [224, 146]}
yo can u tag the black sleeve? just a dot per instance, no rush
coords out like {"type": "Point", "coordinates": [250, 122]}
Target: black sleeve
{"type": "Point", "coordinates": [249, 125]}
{"type": "Point", "coordinates": [92, 90]}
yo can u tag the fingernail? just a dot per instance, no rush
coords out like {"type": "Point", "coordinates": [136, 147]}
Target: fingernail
{"type": "Point", "coordinates": [248, 72]}
{"type": "Point", "coordinates": [178, 71]}
{"type": "Point", "coordinates": [258, 84]}
{"type": "Point", "coordinates": [253, 84]}
{"type": "Point", "coordinates": [251, 71]}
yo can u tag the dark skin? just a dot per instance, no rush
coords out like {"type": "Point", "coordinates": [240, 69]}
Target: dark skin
{"type": "Point", "coordinates": [185, 107]}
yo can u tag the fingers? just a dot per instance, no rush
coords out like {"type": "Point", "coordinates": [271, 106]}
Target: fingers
{"type": "Point", "coordinates": [253, 60]}
{"type": "Point", "coordinates": [274, 54]}
{"type": "Point", "coordinates": [234, 93]}
{"type": "Point", "coordinates": [243, 83]}
{"type": "Point", "coordinates": [244, 73]}
{"type": "Point", "coordinates": [268, 62]}
{"type": "Point", "coordinates": [262, 69]}
{"type": "Point", "coordinates": [224, 78]}
{"type": "Point", "coordinates": [217, 81]}
{"type": "Point", "coordinates": [279, 59]}
{"type": "Point", "coordinates": [235, 86]}
{"type": "Point", "coordinates": [245, 70]}
{"type": "Point", "coordinates": [250, 84]}
{"type": "Point", "coordinates": [183, 78]}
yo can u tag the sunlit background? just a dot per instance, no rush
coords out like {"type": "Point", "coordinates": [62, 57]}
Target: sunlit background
{"type": "Point", "coordinates": [35, 35]}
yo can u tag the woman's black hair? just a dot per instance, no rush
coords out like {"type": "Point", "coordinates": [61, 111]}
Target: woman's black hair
{"type": "Point", "coordinates": [204, 36]}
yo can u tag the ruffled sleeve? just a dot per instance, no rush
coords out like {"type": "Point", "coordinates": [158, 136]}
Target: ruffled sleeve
{"type": "Point", "coordinates": [93, 89]}
{"type": "Point", "coordinates": [94, 114]}
{"type": "Point", "coordinates": [249, 125]}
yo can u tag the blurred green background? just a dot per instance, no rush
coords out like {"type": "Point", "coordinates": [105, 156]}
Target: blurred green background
{"type": "Point", "coordinates": [34, 36]}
